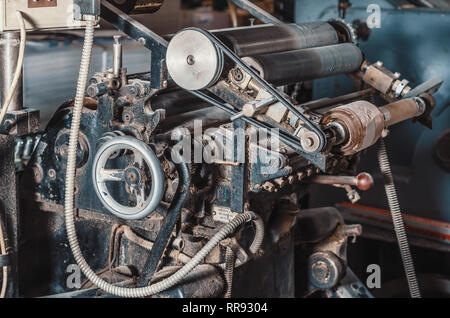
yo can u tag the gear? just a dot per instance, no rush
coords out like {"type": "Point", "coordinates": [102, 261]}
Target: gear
{"type": "Point", "coordinates": [342, 25]}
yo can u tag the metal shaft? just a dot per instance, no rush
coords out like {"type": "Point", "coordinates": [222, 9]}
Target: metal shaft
{"type": "Point", "coordinates": [9, 53]}
{"type": "Point", "coordinates": [117, 56]}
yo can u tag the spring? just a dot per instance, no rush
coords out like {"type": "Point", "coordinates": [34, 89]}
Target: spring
{"type": "Point", "coordinates": [229, 270]}
{"type": "Point", "coordinates": [397, 220]}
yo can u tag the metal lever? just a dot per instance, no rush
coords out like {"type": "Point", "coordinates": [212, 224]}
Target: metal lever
{"type": "Point", "coordinates": [362, 181]}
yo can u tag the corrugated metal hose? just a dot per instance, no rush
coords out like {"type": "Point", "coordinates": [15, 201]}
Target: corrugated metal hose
{"type": "Point", "coordinates": [397, 220]}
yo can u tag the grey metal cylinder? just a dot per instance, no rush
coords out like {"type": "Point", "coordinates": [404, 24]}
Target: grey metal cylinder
{"type": "Point", "coordinates": [289, 67]}
{"type": "Point", "coordinates": [117, 56]}
{"type": "Point", "coordinates": [264, 39]}
{"type": "Point", "coordinates": [9, 53]}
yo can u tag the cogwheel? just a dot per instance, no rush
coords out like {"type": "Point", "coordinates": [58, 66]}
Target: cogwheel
{"type": "Point", "coordinates": [348, 28]}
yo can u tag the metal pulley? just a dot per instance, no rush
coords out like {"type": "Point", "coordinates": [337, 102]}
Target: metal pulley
{"type": "Point", "coordinates": [138, 6]}
{"type": "Point", "coordinates": [134, 176]}
{"type": "Point", "coordinates": [194, 62]}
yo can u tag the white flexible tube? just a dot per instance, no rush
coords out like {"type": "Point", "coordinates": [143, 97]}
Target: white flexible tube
{"type": "Point", "coordinates": [69, 198]}
{"type": "Point", "coordinates": [15, 81]}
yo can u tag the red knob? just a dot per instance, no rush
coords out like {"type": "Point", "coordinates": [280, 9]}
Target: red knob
{"type": "Point", "coordinates": [364, 181]}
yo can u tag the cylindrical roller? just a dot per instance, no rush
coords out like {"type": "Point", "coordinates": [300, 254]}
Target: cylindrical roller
{"type": "Point", "coordinates": [265, 39]}
{"type": "Point", "coordinates": [362, 124]}
{"type": "Point", "coordinates": [194, 62]}
{"type": "Point", "coordinates": [299, 65]}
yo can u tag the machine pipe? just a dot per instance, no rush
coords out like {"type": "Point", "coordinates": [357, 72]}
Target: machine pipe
{"type": "Point", "coordinates": [9, 53]}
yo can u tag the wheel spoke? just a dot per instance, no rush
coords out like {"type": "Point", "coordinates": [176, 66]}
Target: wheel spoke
{"type": "Point", "coordinates": [111, 175]}
{"type": "Point", "coordinates": [138, 158]}
{"type": "Point", "coordinates": [140, 195]}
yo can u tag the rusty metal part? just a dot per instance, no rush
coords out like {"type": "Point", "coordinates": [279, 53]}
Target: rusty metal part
{"type": "Point", "coordinates": [402, 110]}
{"type": "Point", "coordinates": [362, 181]}
{"type": "Point", "coordinates": [138, 6]}
{"type": "Point", "coordinates": [324, 270]}
{"type": "Point", "coordinates": [42, 3]}
{"type": "Point", "coordinates": [363, 123]}
{"type": "Point", "coordinates": [378, 78]}
{"type": "Point", "coordinates": [387, 83]}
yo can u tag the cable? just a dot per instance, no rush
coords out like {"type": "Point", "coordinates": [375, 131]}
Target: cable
{"type": "Point", "coordinates": [15, 81]}
{"type": "Point", "coordinates": [397, 220]}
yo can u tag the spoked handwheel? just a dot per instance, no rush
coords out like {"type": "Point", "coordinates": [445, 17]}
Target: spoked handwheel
{"type": "Point", "coordinates": [135, 176]}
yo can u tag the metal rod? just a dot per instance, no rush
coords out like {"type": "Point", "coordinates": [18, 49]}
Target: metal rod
{"type": "Point", "coordinates": [256, 11]}
{"type": "Point", "coordinates": [337, 100]}
{"type": "Point", "coordinates": [117, 56]}
{"type": "Point", "coordinates": [9, 53]}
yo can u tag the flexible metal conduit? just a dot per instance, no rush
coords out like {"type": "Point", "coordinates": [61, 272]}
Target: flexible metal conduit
{"type": "Point", "coordinates": [397, 220]}
{"type": "Point", "coordinates": [259, 233]}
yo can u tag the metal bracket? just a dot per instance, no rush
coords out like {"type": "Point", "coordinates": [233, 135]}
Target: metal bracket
{"type": "Point", "coordinates": [5, 260]}
{"type": "Point", "coordinates": [152, 41]}
{"type": "Point", "coordinates": [85, 7]}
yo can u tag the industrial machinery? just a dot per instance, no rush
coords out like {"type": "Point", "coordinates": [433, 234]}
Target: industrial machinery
{"type": "Point", "coordinates": [192, 179]}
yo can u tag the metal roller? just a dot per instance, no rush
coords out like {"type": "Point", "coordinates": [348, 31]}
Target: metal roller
{"type": "Point", "coordinates": [265, 39]}
{"type": "Point", "coordinates": [299, 65]}
{"type": "Point", "coordinates": [194, 62]}
{"type": "Point", "coordinates": [138, 6]}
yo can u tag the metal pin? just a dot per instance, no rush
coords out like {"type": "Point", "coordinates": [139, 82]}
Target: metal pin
{"type": "Point", "coordinates": [117, 56]}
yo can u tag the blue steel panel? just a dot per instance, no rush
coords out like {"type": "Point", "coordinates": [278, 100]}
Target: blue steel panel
{"type": "Point", "coordinates": [416, 43]}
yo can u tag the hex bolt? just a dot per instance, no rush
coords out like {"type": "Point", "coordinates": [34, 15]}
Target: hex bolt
{"type": "Point", "coordinates": [321, 272]}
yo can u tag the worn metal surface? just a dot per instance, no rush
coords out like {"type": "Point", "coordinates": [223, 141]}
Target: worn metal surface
{"type": "Point", "coordinates": [9, 54]}
{"type": "Point", "coordinates": [307, 64]}
{"type": "Point", "coordinates": [9, 211]}
{"type": "Point", "coordinates": [147, 38]}
{"type": "Point", "coordinates": [138, 6]}
{"type": "Point", "coordinates": [173, 215]}
{"type": "Point", "coordinates": [256, 40]}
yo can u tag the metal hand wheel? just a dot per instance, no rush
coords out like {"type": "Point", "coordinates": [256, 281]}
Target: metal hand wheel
{"type": "Point", "coordinates": [134, 176]}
